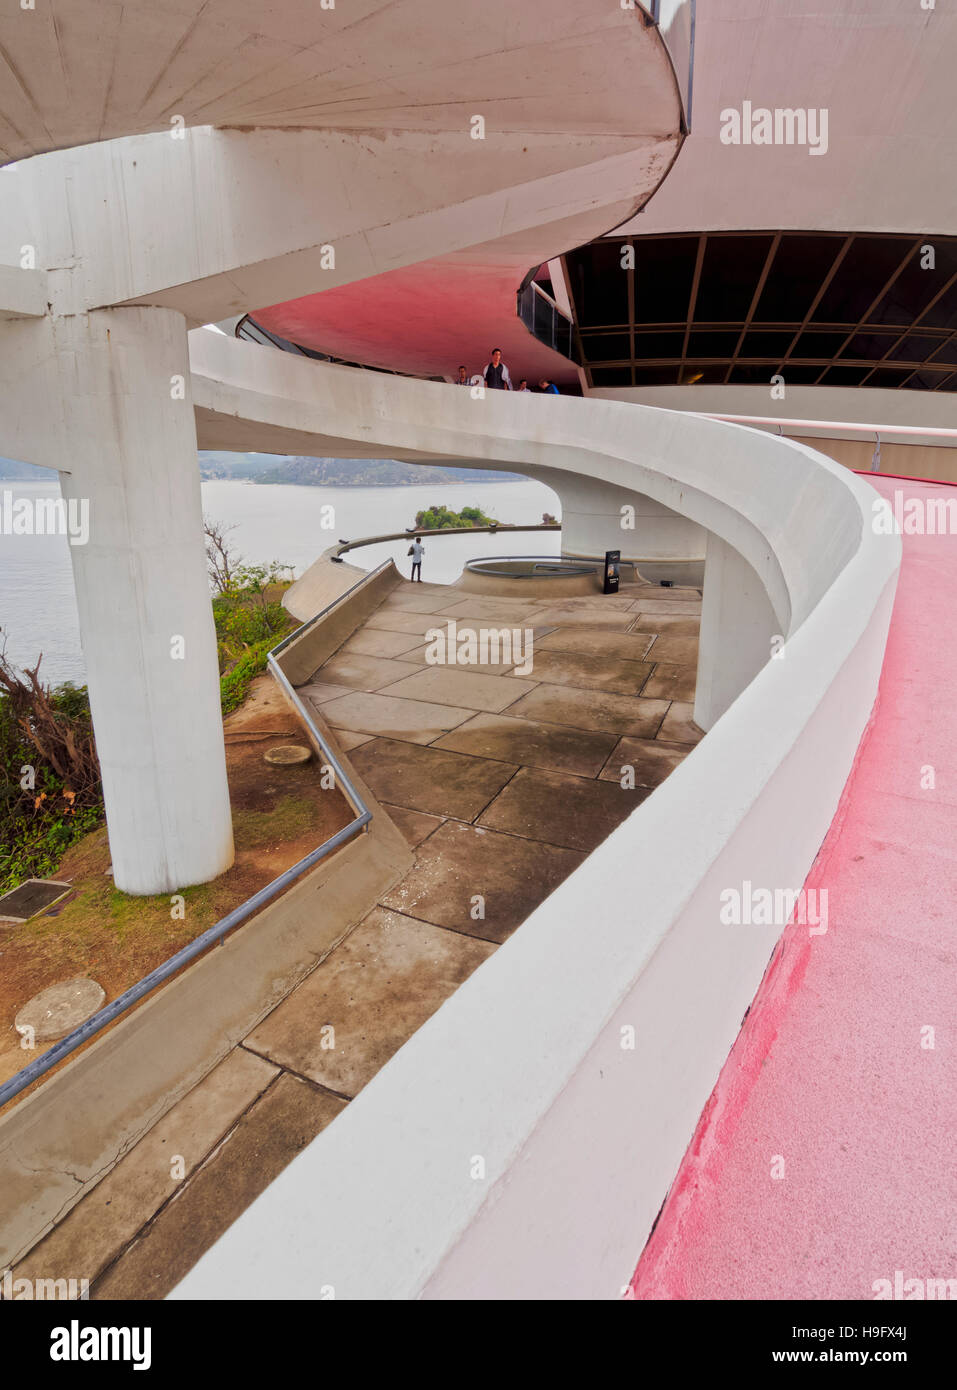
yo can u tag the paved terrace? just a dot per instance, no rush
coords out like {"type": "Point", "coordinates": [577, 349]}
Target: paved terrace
{"type": "Point", "coordinates": [502, 784]}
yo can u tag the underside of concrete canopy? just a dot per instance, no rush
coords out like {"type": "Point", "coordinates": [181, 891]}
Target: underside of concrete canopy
{"type": "Point", "coordinates": [181, 163]}
{"type": "Point", "coordinates": [97, 70]}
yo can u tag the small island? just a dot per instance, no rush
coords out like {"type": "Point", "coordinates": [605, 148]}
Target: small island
{"type": "Point", "coordinates": [440, 518]}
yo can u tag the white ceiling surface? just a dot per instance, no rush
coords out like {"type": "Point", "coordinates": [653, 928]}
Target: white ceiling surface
{"type": "Point", "coordinates": [77, 71]}
{"type": "Point", "coordinates": [883, 69]}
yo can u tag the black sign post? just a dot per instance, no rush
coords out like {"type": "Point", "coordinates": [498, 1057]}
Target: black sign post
{"type": "Point", "coordinates": [612, 561]}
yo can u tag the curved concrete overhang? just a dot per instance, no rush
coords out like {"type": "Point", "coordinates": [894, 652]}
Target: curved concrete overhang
{"type": "Point", "coordinates": [97, 70]}
{"type": "Point", "coordinates": [426, 318]}
{"type": "Point", "coordinates": [548, 1219]}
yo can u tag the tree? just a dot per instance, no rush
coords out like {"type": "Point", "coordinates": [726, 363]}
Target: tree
{"type": "Point", "coordinates": [222, 558]}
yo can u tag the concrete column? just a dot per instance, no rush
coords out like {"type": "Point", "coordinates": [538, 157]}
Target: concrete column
{"type": "Point", "coordinates": [143, 595]}
{"type": "Point", "coordinates": [737, 627]}
{"type": "Point", "coordinates": [598, 516]}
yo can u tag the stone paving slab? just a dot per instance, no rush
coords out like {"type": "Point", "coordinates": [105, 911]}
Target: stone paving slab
{"type": "Point", "coordinates": [278, 1127]}
{"type": "Point", "coordinates": [586, 671]}
{"type": "Point", "coordinates": [411, 601]}
{"type": "Point", "coordinates": [348, 740]}
{"type": "Point", "coordinates": [431, 780]}
{"type": "Point", "coordinates": [598, 710]}
{"type": "Point", "coordinates": [519, 741]}
{"type": "Point", "coordinates": [491, 612]}
{"type": "Point", "coordinates": [321, 692]}
{"type": "Point", "coordinates": [480, 668]}
{"type": "Point", "coordinates": [617, 620]}
{"type": "Point", "coordinates": [652, 760]}
{"type": "Point", "coordinates": [100, 1226]}
{"type": "Point", "coordinates": [375, 990]}
{"type": "Point", "coordinates": [572, 812]}
{"type": "Point", "coordinates": [675, 606]}
{"type": "Point", "coordinates": [398, 620]}
{"type": "Point", "coordinates": [374, 642]}
{"type": "Point", "coordinates": [463, 686]}
{"type": "Point", "coordinates": [678, 725]}
{"type": "Point", "coordinates": [456, 863]}
{"type": "Point", "coordinates": [677, 651]}
{"type": "Point", "coordinates": [415, 825]}
{"type": "Point", "coordinates": [669, 682]}
{"type": "Point", "coordinates": [358, 672]}
{"type": "Point", "coordinates": [415, 721]}
{"type": "Point", "coordinates": [630, 646]}
{"type": "Point", "coordinates": [664, 623]}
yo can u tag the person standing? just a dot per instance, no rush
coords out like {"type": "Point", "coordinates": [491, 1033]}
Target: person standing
{"type": "Point", "coordinates": [496, 373]}
{"type": "Point", "coordinates": [416, 550]}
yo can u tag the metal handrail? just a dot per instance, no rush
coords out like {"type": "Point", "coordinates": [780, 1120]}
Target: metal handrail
{"type": "Point", "coordinates": [409, 532]}
{"type": "Point", "coordinates": [215, 934]}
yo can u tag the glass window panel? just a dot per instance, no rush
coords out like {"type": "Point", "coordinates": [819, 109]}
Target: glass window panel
{"type": "Point", "coordinates": [915, 347]}
{"type": "Point", "coordinates": [664, 274]}
{"type": "Point", "coordinates": [766, 344]}
{"type": "Point", "coordinates": [860, 277]}
{"type": "Point", "coordinates": [729, 277]}
{"type": "Point", "coordinates": [720, 344]}
{"type": "Point", "coordinates": [658, 344]}
{"type": "Point", "coordinates": [799, 268]}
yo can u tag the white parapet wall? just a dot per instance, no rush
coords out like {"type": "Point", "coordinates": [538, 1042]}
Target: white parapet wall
{"type": "Point", "coordinates": [514, 1147]}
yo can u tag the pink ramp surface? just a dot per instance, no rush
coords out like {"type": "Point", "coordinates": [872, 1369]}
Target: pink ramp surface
{"type": "Point", "coordinates": [835, 1072]}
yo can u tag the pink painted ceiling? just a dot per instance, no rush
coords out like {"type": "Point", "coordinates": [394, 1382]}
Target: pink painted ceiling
{"type": "Point", "coordinates": [424, 319]}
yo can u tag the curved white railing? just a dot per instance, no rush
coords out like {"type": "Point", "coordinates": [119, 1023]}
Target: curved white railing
{"type": "Point", "coordinates": [521, 1143]}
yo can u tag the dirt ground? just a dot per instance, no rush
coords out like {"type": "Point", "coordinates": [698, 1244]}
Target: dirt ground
{"type": "Point", "coordinates": [279, 815]}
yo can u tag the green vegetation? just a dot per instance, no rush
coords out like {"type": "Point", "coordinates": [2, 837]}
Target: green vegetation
{"type": "Point", "coordinates": [52, 796]}
{"type": "Point", "coordinates": [441, 518]}
{"type": "Point", "coordinates": [250, 619]}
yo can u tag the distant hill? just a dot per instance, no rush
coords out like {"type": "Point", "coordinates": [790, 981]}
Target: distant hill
{"type": "Point", "coordinates": [312, 472]}
{"type": "Point", "coordinates": [272, 468]}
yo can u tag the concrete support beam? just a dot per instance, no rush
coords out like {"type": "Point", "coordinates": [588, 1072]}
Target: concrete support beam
{"type": "Point", "coordinates": [737, 627]}
{"type": "Point", "coordinates": [143, 595]}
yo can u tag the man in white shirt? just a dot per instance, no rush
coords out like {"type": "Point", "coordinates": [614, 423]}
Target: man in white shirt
{"type": "Point", "coordinates": [417, 550]}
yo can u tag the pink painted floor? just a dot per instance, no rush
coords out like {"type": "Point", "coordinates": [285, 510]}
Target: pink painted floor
{"type": "Point", "coordinates": [829, 1072]}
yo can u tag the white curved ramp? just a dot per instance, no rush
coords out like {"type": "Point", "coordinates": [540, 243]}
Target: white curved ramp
{"type": "Point", "coordinates": [515, 1146]}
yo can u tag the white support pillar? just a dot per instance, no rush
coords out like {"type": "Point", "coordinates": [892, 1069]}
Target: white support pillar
{"type": "Point", "coordinates": [143, 595]}
{"type": "Point", "coordinates": [598, 516]}
{"type": "Point", "coordinates": [737, 628]}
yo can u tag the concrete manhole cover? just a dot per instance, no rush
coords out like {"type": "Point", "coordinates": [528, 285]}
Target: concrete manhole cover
{"type": "Point", "coordinates": [287, 755]}
{"type": "Point", "coordinates": [54, 1012]}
